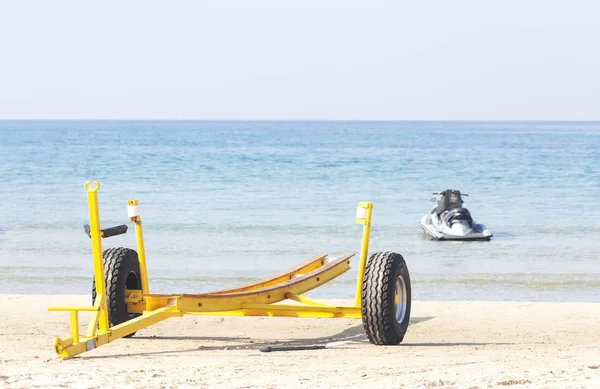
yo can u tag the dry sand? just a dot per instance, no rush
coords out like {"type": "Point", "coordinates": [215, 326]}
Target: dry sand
{"type": "Point", "coordinates": [448, 345]}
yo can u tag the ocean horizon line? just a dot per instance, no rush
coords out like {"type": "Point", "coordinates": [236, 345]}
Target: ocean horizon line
{"type": "Point", "coordinates": [313, 120]}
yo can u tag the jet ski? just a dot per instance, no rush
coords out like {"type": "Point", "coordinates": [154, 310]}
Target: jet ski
{"type": "Point", "coordinates": [449, 220]}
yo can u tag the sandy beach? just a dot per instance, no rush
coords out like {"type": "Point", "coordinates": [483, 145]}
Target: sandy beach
{"type": "Point", "coordinates": [448, 345]}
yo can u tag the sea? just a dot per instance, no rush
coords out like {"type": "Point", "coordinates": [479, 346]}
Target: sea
{"type": "Point", "coordinates": [224, 203]}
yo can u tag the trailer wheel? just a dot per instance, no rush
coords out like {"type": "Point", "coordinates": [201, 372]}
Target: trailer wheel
{"type": "Point", "coordinates": [386, 298]}
{"type": "Point", "coordinates": [121, 271]}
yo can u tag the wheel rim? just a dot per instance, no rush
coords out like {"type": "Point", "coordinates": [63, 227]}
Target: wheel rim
{"type": "Point", "coordinates": [400, 299]}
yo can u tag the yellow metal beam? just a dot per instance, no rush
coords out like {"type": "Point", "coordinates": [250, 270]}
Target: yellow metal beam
{"type": "Point", "coordinates": [268, 295]}
{"type": "Point", "coordinates": [93, 323]}
{"type": "Point", "coordinates": [146, 320]}
{"type": "Point", "coordinates": [281, 310]}
{"type": "Point", "coordinates": [72, 308]}
{"type": "Point", "coordinates": [132, 211]}
{"type": "Point", "coordinates": [363, 216]}
{"type": "Point", "coordinates": [304, 311]}
{"type": "Point", "coordinates": [304, 300]}
{"type": "Point", "coordinates": [92, 193]}
{"type": "Point", "coordinates": [74, 322]}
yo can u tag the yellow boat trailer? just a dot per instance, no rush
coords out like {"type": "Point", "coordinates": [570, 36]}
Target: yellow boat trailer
{"type": "Point", "coordinates": [123, 304]}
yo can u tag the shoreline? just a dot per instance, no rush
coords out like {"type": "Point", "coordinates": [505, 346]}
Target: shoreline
{"type": "Point", "coordinates": [458, 344]}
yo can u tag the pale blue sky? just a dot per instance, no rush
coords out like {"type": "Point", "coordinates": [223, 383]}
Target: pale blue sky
{"type": "Point", "coordinates": [380, 60]}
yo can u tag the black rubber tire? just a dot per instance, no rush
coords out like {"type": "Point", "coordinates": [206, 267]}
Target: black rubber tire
{"type": "Point", "coordinates": [385, 275]}
{"type": "Point", "coordinates": [121, 271]}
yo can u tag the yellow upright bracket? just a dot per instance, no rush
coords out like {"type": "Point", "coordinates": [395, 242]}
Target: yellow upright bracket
{"type": "Point", "coordinates": [363, 216]}
{"type": "Point", "coordinates": [134, 216]}
{"type": "Point", "coordinates": [96, 236]}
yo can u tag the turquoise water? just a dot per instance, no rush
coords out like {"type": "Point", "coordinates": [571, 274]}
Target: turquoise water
{"type": "Point", "coordinates": [224, 203]}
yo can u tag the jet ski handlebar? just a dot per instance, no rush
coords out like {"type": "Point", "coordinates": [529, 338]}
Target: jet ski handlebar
{"type": "Point", "coordinates": [443, 193]}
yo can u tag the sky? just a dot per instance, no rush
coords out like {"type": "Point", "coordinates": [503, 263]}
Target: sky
{"type": "Point", "coordinates": [300, 60]}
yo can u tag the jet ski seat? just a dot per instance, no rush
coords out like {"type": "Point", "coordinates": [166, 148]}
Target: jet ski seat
{"type": "Point", "coordinates": [457, 214]}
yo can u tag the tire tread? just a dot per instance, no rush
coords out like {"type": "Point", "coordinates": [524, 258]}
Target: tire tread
{"type": "Point", "coordinates": [378, 314]}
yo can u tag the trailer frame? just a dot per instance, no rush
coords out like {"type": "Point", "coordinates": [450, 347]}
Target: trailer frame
{"type": "Point", "coordinates": [262, 298]}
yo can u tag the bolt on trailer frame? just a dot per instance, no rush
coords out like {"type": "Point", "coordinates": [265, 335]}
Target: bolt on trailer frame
{"type": "Point", "coordinates": [123, 303]}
